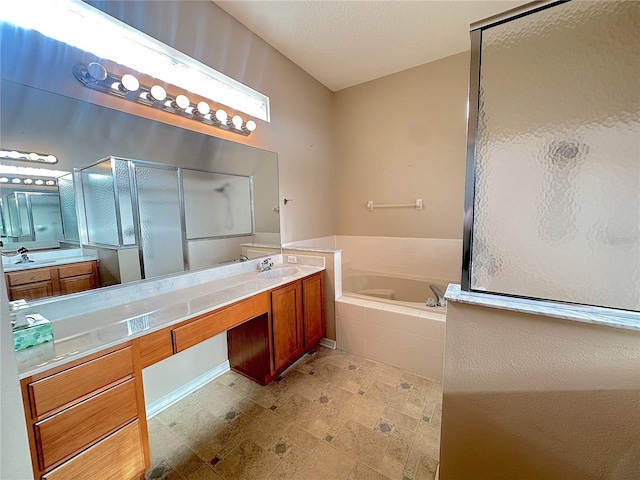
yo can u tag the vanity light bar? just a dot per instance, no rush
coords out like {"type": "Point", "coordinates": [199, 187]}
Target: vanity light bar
{"type": "Point", "coordinates": [96, 77]}
{"type": "Point", "coordinates": [28, 156]}
{"type": "Point", "coordinates": [27, 181]}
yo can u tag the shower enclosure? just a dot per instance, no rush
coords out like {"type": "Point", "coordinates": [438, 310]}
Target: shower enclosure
{"type": "Point", "coordinates": [552, 208]}
{"type": "Point", "coordinates": [161, 210]}
{"type": "Point", "coordinates": [33, 216]}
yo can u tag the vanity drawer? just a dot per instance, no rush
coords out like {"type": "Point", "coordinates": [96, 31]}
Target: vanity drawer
{"type": "Point", "coordinates": [75, 428]}
{"type": "Point", "coordinates": [57, 390]}
{"type": "Point", "coordinates": [217, 322]}
{"type": "Point", "coordinates": [154, 347]}
{"type": "Point", "coordinates": [28, 276]}
{"type": "Point", "coordinates": [119, 456]}
{"type": "Point", "coordinates": [74, 269]}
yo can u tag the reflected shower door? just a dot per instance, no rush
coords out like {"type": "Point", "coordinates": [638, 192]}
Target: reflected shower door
{"type": "Point", "coordinates": [159, 220]}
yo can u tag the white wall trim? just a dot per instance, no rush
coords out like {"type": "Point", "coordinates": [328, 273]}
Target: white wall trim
{"type": "Point", "coordinates": [327, 342]}
{"type": "Point", "coordinates": [188, 388]}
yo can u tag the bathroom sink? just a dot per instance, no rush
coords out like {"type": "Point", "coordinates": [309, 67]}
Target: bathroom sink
{"type": "Point", "coordinates": [279, 272]}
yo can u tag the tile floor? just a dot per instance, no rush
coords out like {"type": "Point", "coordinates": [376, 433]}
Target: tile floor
{"type": "Point", "coordinates": [330, 415]}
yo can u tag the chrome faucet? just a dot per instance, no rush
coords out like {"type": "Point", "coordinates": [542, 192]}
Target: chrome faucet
{"type": "Point", "coordinates": [244, 258]}
{"type": "Point", "coordinates": [442, 302]}
{"type": "Point", "coordinates": [265, 265]}
{"type": "Point", "coordinates": [24, 258]}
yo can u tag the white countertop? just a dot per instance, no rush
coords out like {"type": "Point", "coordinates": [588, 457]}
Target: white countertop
{"type": "Point", "coordinates": [89, 332]}
{"type": "Point", "coordinates": [17, 267]}
{"type": "Point", "coordinates": [580, 313]}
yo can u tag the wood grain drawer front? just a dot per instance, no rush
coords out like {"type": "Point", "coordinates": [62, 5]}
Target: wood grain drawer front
{"type": "Point", "coordinates": [117, 457]}
{"type": "Point", "coordinates": [75, 269]}
{"type": "Point", "coordinates": [77, 427]}
{"type": "Point", "coordinates": [28, 276]}
{"type": "Point", "coordinates": [154, 347]}
{"type": "Point", "coordinates": [64, 387]}
{"type": "Point", "coordinates": [211, 324]}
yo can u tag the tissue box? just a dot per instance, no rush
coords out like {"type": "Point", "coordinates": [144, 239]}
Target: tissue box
{"type": "Point", "coordinates": [38, 330]}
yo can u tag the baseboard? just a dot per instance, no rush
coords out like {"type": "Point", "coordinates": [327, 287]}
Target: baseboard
{"type": "Point", "coordinates": [327, 342]}
{"type": "Point", "coordinates": [188, 388]}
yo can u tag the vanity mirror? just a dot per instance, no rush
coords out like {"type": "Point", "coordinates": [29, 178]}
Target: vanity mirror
{"type": "Point", "coordinates": [82, 134]}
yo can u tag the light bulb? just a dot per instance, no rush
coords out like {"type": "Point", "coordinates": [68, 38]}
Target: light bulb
{"type": "Point", "coordinates": [189, 110]}
{"type": "Point", "coordinates": [182, 101]}
{"type": "Point", "coordinates": [221, 115]}
{"type": "Point", "coordinates": [50, 182]}
{"type": "Point", "coordinates": [14, 154]}
{"type": "Point", "coordinates": [4, 180]}
{"type": "Point", "coordinates": [130, 83]}
{"type": "Point", "coordinates": [16, 180]}
{"type": "Point", "coordinates": [158, 93]}
{"type": "Point", "coordinates": [33, 156]}
{"type": "Point", "coordinates": [251, 125]}
{"type": "Point", "coordinates": [28, 181]}
{"type": "Point", "coordinates": [51, 159]}
{"type": "Point", "coordinates": [237, 121]}
{"type": "Point", "coordinates": [96, 72]}
{"type": "Point", "coordinates": [203, 108]}
{"type": "Point", "coordinates": [39, 182]}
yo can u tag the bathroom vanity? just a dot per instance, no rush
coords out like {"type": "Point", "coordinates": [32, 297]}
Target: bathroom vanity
{"type": "Point", "coordinates": [34, 282]}
{"type": "Point", "coordinates": [83, 394]}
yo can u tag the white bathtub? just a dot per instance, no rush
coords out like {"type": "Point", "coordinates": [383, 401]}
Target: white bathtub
{"type": "Point", "coordinates": [394, 290]}
{"type": "Point", "coordinates": [385, 318]}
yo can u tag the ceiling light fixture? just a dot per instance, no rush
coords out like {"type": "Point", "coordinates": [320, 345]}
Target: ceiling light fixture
{"type": "Point", "coordinates": [28, 156]}
{"type": "Point", "coordinates": [128, 87]}
{"type": "Point", "coordinates": [75, 23]}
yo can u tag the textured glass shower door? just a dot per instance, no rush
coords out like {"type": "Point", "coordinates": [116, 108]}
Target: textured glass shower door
{"type": "Point", "coordinates": [556, 207]}
{"type": "Point", "coordinates": [159, 219]}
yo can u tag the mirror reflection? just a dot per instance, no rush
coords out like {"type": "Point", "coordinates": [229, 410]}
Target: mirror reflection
{"type": "Point", "coordinates": [145, 199]}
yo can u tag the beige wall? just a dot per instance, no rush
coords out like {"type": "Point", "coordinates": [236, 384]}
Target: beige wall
{"type": "Point", "coordinates": [300, 131]}
{"type": "Point", "coordinates": [535, 397]}
{"type": "Point", "coordinates": [399, 138]}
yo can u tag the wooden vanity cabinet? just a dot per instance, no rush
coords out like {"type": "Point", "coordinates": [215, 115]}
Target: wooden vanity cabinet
{"type": "Point", "coordinates": [314, 321]}
{"type": "Point", "coordinates": [286, 318]}
{"type": "Point", "coordinates": [87, 419]}
{"type": "Point", "coordinates": [264, 347]}
{"type": "Point", "coordinates": [44, 282]}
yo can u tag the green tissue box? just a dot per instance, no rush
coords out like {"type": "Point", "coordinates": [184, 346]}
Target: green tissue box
{"type": "Point", "coordinates": [38, 330]}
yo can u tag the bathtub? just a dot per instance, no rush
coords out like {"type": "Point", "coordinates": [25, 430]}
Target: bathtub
{"type": "Point", "coordinates": [393, 290]}
{"type": "Point", "coordinates": [385, 318]}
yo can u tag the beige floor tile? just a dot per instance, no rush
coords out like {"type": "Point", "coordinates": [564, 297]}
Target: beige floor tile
{"type": "Point", "coordinates": [326, 462]}
{"type": "Point", "coordinates": [300, 410]}
{"type": "Point", "coordinates": [364, 444]}
{"type": "Point", "coordinates": [266, 428]}
{"type": "Point", "coordinates": [247, 461]}
{"type": "Point", "coordinates": [399, 419]}
{"type": "Point", "coordinates": [427, 441]}
{"type": "Point", "coordinates": [426, 468]}
{"type": "Point", "coordinates": [352, 419]}
{"type": "Point", "coordinates": [290, 463]}
{"type": "Point", "coordinates": [363, 472]}
{"type": "Point", "coordinates": [391, 468]}
{"type": "Point", "coordinates": [400, 445]}
{"type": "Point", "coordinates": [411, 465]}
{"type": "Point", "coordinates": [204, 473]}
{"type": "Point", "coordinates": [184, 460]}
{"type": "Point", "coordinates": [301, 438]}
{"type": "Point", "coordinates": [162, 471]}
{"type": "Point", "coordinates": [390, 395]}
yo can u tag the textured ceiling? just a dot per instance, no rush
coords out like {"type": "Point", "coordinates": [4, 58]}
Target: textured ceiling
{"type": "Point", "coordinates": [344, 43]}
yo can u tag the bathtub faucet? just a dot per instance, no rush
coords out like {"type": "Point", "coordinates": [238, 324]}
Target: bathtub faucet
{"type": "Point", "coordinates": [439, 295]}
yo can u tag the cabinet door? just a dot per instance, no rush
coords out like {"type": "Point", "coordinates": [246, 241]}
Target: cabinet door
{"type": "Point", "coordinates": [77, 284]}
{"type": "Point", "coordinates": [286, 315]}
{"type": "Point", "coordinates": [32, 291]}
{"type": "Point", "coordinates": [314, 316]}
